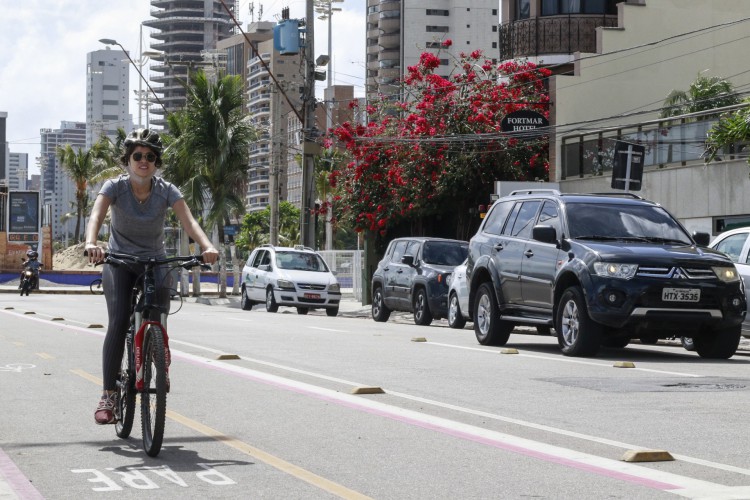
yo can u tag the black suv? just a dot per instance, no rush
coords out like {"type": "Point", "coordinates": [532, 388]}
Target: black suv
{"type": "Point", "coordinates": [412, 277]}
{"type": "Point", "coordinates": [601, 270]}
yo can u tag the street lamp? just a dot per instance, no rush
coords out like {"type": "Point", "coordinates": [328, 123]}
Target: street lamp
{"type": "Point", "coordinates": [325, 9]}
{"type": "Point", "coordinates": [109, 41]}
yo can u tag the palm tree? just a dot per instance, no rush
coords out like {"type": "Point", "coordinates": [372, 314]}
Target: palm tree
{"type": "Point", "coordinates": [703, 94]}
{"type": "Point", "coordinates": [211, 150]}
{"type": "Point", "coordinates": [83, 167]}
{"type": "Point", "coordinates": [732, 129]}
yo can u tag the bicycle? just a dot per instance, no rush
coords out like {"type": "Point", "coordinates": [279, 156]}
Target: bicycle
{"type": "Point", "coordinates": [146, 359]}
{"type": "Point", "coordinates": [96, 287]}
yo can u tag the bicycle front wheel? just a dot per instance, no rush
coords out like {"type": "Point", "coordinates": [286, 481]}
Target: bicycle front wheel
{"type": "Point", "coordinates": [154, 395]}
{"type": "Point", "coordinates": [126, 392]}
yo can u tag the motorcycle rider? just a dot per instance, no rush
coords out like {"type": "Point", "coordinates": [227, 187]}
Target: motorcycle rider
{"type": "Point", "coordinates": [33, 264]}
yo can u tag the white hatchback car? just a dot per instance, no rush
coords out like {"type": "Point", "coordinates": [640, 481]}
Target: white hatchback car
{"type": "Point", "coordinates": [295, 277]}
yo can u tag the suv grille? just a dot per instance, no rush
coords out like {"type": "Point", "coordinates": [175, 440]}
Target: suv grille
{"type": "Point", "coordinates": [676, 273]}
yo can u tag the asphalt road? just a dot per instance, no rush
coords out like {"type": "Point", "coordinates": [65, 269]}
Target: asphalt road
{"type": "Point", "coordinates": [455, 420]}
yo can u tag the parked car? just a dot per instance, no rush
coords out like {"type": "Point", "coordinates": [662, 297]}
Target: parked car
{"type": "Point", "coordinates": [412, 277]}
{"type": "Point", "coordinates": [458, 297]}
{"type": "Point", "coordinates": [601, 269]}
{"type": "Point", "coordinates": [735, 243]}
{"type": "Point", "coordinates": [296, 277]}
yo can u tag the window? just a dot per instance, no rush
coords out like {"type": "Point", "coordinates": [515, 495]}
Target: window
{"type": "Point", "coordinates": [432, 45]}
{"type": "Point", "coordinates": [437, 29]}
{"type": "Point", "coordinates": [494, 45]}
{"type": "Point", "coordinates": [494, 29]}
{"type": "Point", "coordinates": [494, 12]}
{"type": "Point", "coordinates": [550, 216]}
{"type": "Point", "coordinates": [524, 220]}
{"type": "Point", "coordinates": [437, 12]}
{"type": "Point", "coordinates": [523, 9]}
{"type": "Point", "coordinates": [732, 246]}
{"type": "Point", "coordinates": [496, 219]}
{"type": "Point", "coordinates": [558, 7]}
{"type": "Point", "coordinates": [398, 251]}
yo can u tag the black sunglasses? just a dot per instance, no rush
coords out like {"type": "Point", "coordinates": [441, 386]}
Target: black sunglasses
{"type": "Point", "coordinates": [150, 157]}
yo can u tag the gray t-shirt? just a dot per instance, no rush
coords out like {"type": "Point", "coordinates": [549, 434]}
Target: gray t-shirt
{"type": "Point", "coordinates": [138, 228]}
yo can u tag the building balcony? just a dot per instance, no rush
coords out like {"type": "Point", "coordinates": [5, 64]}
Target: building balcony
{"type": "Point", "coordinates": [674, 141]}
{"type": "Point", "coordinates": [551, 35]}
{"type": "Point", "coordinates": [389, 24]}
{"type": "Point", "coordinates": [390, 40]}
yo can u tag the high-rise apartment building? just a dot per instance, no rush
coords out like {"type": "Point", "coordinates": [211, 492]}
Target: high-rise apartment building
{"type": "Point", "coordinates": [58, 190]}
{"type": "Point", "coordinates": [183, 31]}
{"type": "Point", "coordinates": [398, 31]}
{"type": "Point", "coordinates": [269, 104]}
{"type": "Point", "coordinates": [18, 171]}
{"type": "Point", "coordinates": [107, 89]}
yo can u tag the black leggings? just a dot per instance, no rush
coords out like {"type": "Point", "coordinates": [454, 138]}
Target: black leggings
{"type": "Point", "coordinates": [118, 283]}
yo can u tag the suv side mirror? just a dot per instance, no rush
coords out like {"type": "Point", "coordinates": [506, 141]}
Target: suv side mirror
{"type": "Point", "coordinates": [545, 234]}
{"type": "Point", "coordinates": [702, 239]}
{"type": "Point", "coordinates": [408, 260]}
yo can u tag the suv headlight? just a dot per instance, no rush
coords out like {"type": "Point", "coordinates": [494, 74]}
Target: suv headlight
{"type": "Point", "coordinates": [726, 274]}
{"type": "Point", "coordinates": [615, 270]}
{"type": "Point", "coordinates": [285, 284]}
{"type": "Point", "coordinates": [334, 287]}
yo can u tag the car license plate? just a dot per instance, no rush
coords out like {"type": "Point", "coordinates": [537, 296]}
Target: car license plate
{"type": "Point", "coordinates": [312, 295]}
{"type": "Point", "coordinates": [681, 294]}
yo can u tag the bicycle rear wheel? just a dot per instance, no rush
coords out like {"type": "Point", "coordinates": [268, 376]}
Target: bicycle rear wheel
{"type": "Point", "coordinates": [126, 392]}
{"type": "Point", "coordinates": [154, 395]}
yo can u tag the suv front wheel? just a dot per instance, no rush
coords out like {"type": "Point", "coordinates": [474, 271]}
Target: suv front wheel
{"type": "Point", "coordinates": [422, 314]}
{"type": "Point", "coordinates": [578, 335]}
{"type": "Point", "coordinates": [720, 344]}
{"type": "Point", "coordinates": [488, 328]}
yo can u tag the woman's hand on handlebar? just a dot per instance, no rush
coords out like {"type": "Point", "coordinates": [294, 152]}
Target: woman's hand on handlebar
{"type": "Point", "coordinates": [95, 253]}
{"type": "Point", "coordinates": [210, 255]}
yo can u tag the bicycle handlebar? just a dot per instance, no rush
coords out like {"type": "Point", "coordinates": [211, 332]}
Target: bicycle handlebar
{"type": "Point", "coordinates": [186, 262]}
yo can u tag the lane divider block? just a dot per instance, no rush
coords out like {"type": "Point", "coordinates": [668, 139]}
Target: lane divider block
{"type": "Point", "coordinates": [419, 339]}
{"type": "Point", "coordinates": [58, 319]}
{"type": "Point", "coordinates": [647, 456]}
{"type": "Point", "coordinates": [624, 364]}
{"type": "Point", "coordinates": [95, 325]}
{"type": "Point", "coordinates": [509, 350]}
{"type": "Point", "coordinates": [221, 357]}
{"type": "Point", "coordinates": [29, 312]}
{"type": "Point", "coordinates": [367, 390]}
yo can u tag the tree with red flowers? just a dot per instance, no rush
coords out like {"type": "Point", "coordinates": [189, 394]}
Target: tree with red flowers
{"type": "Point", "coordinates": [440, 148]}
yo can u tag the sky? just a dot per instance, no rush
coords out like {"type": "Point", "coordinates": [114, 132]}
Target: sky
{"type": "Point", "coordinates": [43, 47]}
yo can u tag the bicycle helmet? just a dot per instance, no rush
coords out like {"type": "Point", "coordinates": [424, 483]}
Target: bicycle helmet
{"type": "Point", "coordinates": [32, 254]}
{"type": "Point", "coordinates": [144, 137]}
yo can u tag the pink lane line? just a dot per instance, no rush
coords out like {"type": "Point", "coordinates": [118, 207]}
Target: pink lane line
{"type": "Point", "coordinates": [445, 429]}
{"type": "Point", "coordinates": [19, 483]}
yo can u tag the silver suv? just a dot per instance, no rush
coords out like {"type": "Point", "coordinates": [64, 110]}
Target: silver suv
{"type": "Point", "coordinates": [283, 276]}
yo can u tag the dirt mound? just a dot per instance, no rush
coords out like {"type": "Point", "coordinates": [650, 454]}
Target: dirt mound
{"type": "Point", "coordinates": [72, 258]}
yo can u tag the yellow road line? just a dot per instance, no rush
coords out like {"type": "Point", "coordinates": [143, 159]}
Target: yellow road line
{"type": "Point", "coordinates": [44, 355]}
{"type": "Point", "coordinates": [260, 455]}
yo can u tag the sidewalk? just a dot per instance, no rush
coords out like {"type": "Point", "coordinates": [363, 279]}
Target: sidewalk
{"type": "Point", "coordinates": [349, 306]}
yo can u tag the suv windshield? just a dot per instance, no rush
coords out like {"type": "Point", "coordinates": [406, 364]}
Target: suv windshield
{"type": "Point", "coordinates": [444, 253]}
{"type": "Point", "coordinates": [624, 222]}
{"type": "Point", "coordinates": [300, 261]}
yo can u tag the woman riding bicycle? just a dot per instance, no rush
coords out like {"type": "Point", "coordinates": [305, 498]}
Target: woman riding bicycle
{"type": "Point", "coordinates": [138, 203]}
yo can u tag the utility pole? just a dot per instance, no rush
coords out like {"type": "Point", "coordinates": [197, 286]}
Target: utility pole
{"type": "Point", "coordinates": [307, 228]}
